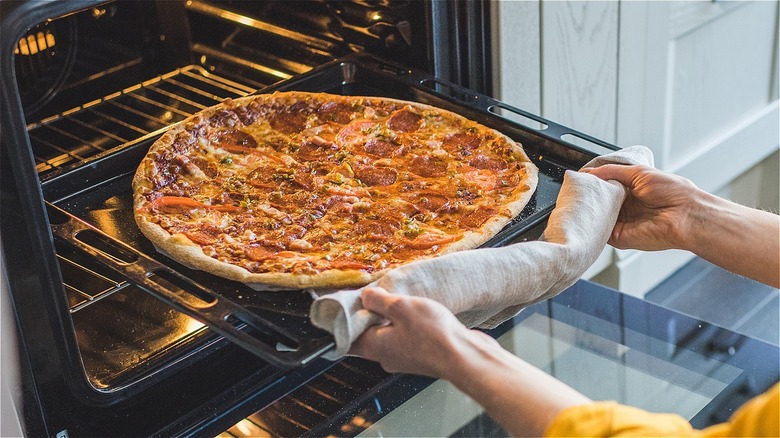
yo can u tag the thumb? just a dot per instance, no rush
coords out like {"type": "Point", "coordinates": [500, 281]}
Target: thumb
{"type": "Point", "coordinates": [624, 174]}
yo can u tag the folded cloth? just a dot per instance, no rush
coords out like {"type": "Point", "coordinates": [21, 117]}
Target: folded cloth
{"type": "Point", "coordinates": [484, 287]}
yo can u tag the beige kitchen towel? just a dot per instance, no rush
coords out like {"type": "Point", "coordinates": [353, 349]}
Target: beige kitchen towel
{"type": "Point", "coordinates": [487, 286]}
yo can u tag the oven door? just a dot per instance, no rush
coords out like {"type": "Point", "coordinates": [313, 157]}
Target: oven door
{"type": "Point", "coordinates": [605, 344]}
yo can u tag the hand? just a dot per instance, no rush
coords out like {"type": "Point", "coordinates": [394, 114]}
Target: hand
{"type": "Point", "coordinates": [420, 336]}
{"type": "Point", "coordinates": [655, 216]}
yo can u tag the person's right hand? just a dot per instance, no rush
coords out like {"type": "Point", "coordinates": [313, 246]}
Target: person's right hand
{"type": "Point", "coordinates": [419, 336]}
{"type": "Point", "coordinates": [655, 215]}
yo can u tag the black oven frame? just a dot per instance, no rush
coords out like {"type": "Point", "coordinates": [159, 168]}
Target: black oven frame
{"type": "Point", "coordinates": [53, 387]}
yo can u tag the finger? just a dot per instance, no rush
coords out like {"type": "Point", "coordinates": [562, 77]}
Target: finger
{"type": "Point", "coordinates": [377, 300]}
{"type": "Point", "coordinates": [362, 345]}
{"type": "Point", "coordinates": [618, 172]}
{"type": "Point", "coordinates": [369, 343]}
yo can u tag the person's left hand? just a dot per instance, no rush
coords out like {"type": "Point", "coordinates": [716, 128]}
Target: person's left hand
{"type": "Point", "coordinates": [419, 336]}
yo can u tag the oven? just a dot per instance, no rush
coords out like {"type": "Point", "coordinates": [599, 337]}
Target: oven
{"type": "Point", "coordinates": [113, 338]}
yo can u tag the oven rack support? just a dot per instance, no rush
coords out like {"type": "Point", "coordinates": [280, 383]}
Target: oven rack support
{"type": "Point", "coordinates": [241, 326]}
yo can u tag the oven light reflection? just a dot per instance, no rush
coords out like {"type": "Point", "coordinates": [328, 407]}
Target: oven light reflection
{"type": "Point", "coordinates": [32, 44]}
{"type": "Point", "coordinates": [244, 427]}
{"type": "Point", "coordinates": [248, 428]}
{"type": "Point", "coordinates": [358, 423]}
{"type": "Point", "coordinates": [193, 325]}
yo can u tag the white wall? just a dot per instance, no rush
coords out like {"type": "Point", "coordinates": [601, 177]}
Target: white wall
{"type": "Point", "coordinates": [695, 81]}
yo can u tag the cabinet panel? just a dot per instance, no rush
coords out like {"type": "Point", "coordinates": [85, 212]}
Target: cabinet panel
{"type": "Point", "coordinates": [695, 81]}
{"type": "Point", "coordinates": [579, 65]}
{"type": "Point", "coordinates": [722, 73]}
{"type": "Point", "coordinates": [519, 81]}
{"type": "Point", "coordinates": [686, 16]}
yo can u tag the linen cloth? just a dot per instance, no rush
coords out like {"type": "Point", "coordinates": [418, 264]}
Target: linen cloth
{"type": "Point", "coordinates": [486, 286]}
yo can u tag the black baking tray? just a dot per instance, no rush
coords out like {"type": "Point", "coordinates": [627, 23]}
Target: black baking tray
{"type": "Point", "coordinates": [90, 209]}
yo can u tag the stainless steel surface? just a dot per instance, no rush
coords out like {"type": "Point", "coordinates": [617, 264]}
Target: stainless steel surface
{"type": "Point", "coordinates": [10, 383]}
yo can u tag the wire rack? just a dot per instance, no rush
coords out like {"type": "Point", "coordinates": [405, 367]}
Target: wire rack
{"type": "Point", "coordinates": [115, 121]}
{"type": "Point", "coordinates": [127, 116]}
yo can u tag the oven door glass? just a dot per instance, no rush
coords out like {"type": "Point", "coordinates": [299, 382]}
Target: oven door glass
{"type": "Point", "coordinates": [610, 347]}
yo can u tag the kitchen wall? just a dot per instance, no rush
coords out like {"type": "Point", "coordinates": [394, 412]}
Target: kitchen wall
{"type": "Point", "coordinates": [695, 81]}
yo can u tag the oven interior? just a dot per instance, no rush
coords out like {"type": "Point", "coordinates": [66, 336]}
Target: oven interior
{"type": "Point", "coordinates": [114, 73]}
{"type": "Point", "coordinates": [99, 84]}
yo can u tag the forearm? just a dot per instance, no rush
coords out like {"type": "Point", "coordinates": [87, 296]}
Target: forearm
{"type": "Point", "coordinates": [740, 239]}
{"type": "Point", "coordinates": [519, 396]}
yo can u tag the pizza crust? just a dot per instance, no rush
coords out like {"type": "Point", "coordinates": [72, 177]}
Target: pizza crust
{"type": "Point", "coordinates": [180, 248]}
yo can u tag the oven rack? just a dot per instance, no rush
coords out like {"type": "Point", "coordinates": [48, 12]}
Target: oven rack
{"type": "Point", "coordinates": [127, 117]}
{"type": "Point", "coordinates": [84, 284]}
{"type": "Point", "coordinates": [335, 396]}
{"type": "Point", "coordinates": [314, 44]}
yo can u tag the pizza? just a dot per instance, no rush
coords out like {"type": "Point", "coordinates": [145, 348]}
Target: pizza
{"type": "Point", "coordinates": [296, 190]}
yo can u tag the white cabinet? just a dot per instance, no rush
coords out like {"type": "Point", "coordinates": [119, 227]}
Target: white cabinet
{"type": "Point", "coordinates": [695, 81]}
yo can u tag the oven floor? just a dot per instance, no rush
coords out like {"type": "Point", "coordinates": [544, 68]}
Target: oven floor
{"type": "Point", "coordinates": [707, 292]}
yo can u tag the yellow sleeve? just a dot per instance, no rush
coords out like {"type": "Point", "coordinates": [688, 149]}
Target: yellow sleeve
{"type": "Point", "coordinates": [758, 417]}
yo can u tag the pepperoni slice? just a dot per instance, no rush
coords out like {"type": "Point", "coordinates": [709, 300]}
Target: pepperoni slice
{"type": "Point", "coordinates": [335, 112]}
{"type": "Point", "coordinates": [304, 180]}
{"type": "Point", "coordinates": [461, 142]}
{"type": "Point", "coordinates": [204, 234]}
{"type": "Point", "coordinates": [428, 166]}
{"type": "Point", "coordinates": [293, 232]}
{"type": "Point", "coordinates": [376, 229]}
{"type": "Point", "coordinates": [258, 253]}
{"type": "Point", "coordinates": [404, 120]}
{"type": "Point", "coordinates": [429, 240]}
{"type": "Point", "coordinates": [166, 175]}
{"type": "Point", "coordinates": [508, 179]}
{"type": "Point", "coordinates": [355, 132]}
{"type": "Point", "coordinates": [226, 138]}
{"type": "Point", "coordinates": [376, 176]}
{"type": "Point", "coordinates": [319, 168]}
{"type": "Point", "coordinates": [484, 162]}
{"type": "Point", "coordinates": [383, 148]}
{"type": "Point", "coordinates": [277, 142]}
{"type": "Point", "coordinates": [262, 176]}
{"type": "Point", "coordinates": [477, 217]}
{"type": "Point", "coordinates": [283, 236]}
{"type": "Point", "coordinates": [288, 122]}
{"type": "Point", "coordinates": [207, 167]}
{"type": "Point", "coordinates": [247, 114]}
{"type": "Point", "coordinates": [432, 202]}
{"type": "Point", "coordinates": [309, 216]}
{"type": "Point", "coordinates": [340, 209]}
{"type": "Point", "coordinates": [314, 150]}
{"type": "Point", "coordinates": [345, 262]}
{"type": "Point", "coordinates": [484, 179]}
{"type": "Point", "coordinates": [404, 253]}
